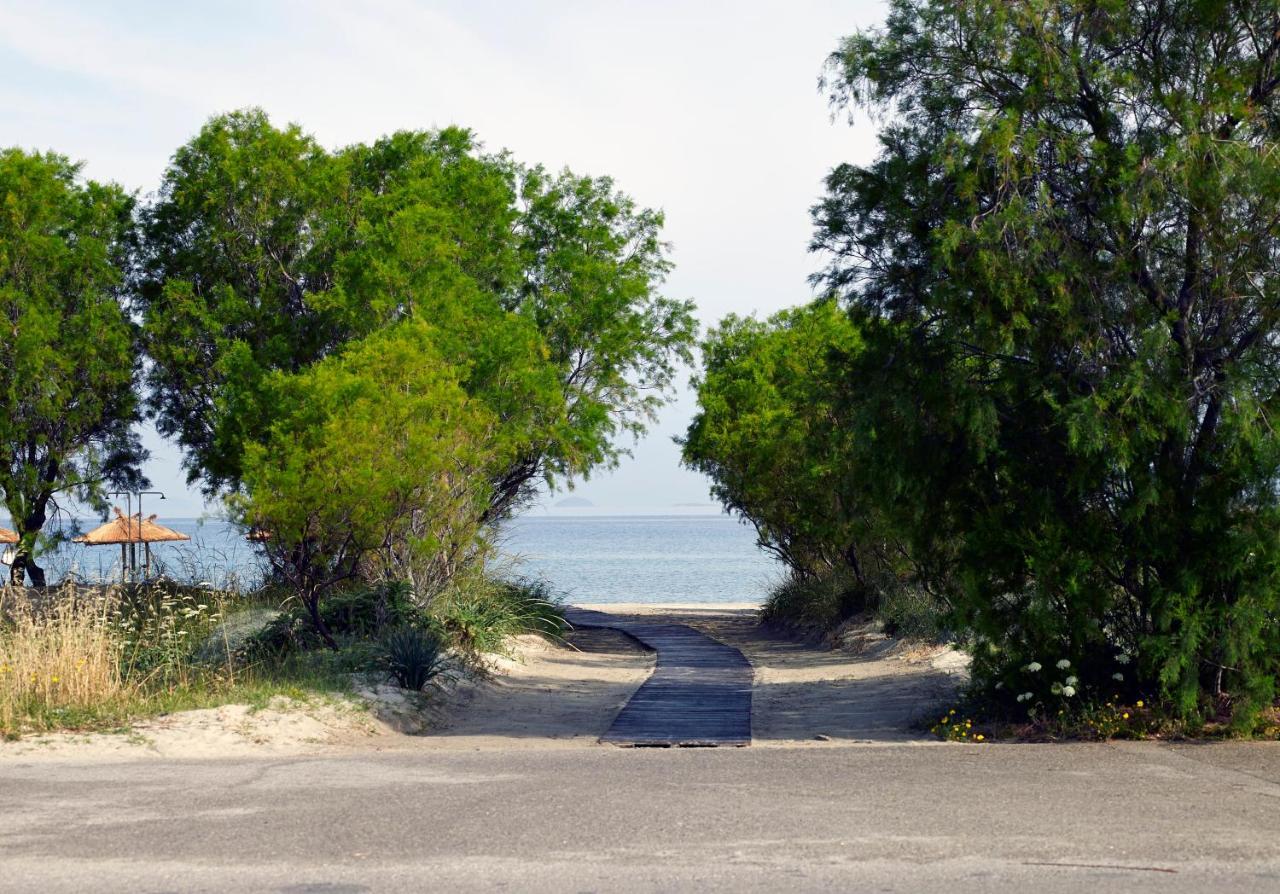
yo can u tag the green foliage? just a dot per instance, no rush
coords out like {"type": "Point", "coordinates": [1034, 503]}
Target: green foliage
{"type": "Point", "coordinates": [479, 613]}
{"type": "Point", "coordinates": [162, 627]}
{"type": "Point", "coordinates": [952, 727]}
{"type": "Point", "coordinates": [265, 254]}
{"type": "Point", "coordinates": [775, 432]}
{"type": "Point", "coordinates": [413, 657]}
{"type": "Point", "coordinates": [1062, 269]}
{"type": "Point", "coordinates": [380, 352]}
{"type": "Point", "coordinates": [819, 603]}
{"type": "Point", "coordinates": [68, 358]}
{"type": "Point", "coordinates": [375, 452]}
{"type": "Point", "coordinates": [912, 612]}
{"type": "Point", "coordinates": [353, 615]}
{"type": "Point", "coordinates": [233, 249]}
{"type": "Point", "coordinates": [591, 264]}
{"type": "Point", "coordinates": [769, 435]}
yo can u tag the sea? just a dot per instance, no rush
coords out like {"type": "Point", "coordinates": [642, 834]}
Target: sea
{"type": "Point", "coordinates": [583, 558]}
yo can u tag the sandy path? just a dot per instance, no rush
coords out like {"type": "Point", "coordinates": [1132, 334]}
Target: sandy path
{"type": "Point", "coordinates": [803, 691]}
{"type": "Point", "coordinates": [547, 695]}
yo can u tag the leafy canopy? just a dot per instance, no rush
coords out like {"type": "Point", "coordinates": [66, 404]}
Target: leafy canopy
{"type": "Point", "coordinates": [68, 356]}
{"type": "Point", "coordinates": [1063, 265]}
{"type": "Point", "coordinates": [266, 253]}
{"type": "Point", "coordinates": [769, 436]}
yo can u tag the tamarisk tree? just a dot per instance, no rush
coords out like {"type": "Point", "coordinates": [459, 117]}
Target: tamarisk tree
{"type": "Point", "coordinates": [1065, 265]}
{"type": "Point", "coordinates": [68, 354]}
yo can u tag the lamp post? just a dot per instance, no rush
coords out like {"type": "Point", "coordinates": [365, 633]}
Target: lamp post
{"type": "Point", "coordinates": [146, 547]}
{"type": "Point", "coordinates": [129, 559]}
{"type": "Point", "coordinates": [125, 551]}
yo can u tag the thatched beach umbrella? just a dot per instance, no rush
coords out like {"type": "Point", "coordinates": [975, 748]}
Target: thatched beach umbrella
{"type": "Point", "coordinates": [7, 536]}
{"type": "Point", "coordinates": [128, 531]}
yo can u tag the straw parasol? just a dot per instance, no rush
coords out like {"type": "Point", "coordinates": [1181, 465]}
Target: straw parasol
{"type": "Point", "coordinates": [7, 536]}
{"type": "Point", "coordinates": [128, 531]}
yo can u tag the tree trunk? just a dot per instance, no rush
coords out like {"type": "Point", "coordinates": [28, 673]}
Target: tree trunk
{"type": "Point", "coordinates": [313, 609]}
{"type": "Point", "coordinates": [29, 527]}
{"type": "Point", "coordinates": [18, 570]}
{"type": "Point", "coordinates": [25, 566]}
{"type": "Point", "coordinates": [36, 573]}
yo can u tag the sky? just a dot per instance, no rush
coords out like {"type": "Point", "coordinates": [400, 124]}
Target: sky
{"type": "Point", "coordinates": [708, 110]}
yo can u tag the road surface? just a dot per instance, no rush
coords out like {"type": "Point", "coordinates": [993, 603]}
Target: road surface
{"type": "Point", "coordinates": [1131, 817]}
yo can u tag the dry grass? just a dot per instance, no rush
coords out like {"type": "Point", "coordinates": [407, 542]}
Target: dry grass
{"type": "Point", "coordinates": [61, 658]}
{"type": "Point", "coordinates": [98, 658]}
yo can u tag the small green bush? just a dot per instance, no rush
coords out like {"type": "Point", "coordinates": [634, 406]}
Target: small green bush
{"type": "Point", "coordinates": [911, 612]}
{"type": "Point", "coordinates": [360, 613]}
{"type": "Point", "coordinates": [413, 657]}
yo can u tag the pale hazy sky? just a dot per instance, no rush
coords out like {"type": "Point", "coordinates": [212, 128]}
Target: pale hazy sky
{"type": "Point", "coordinates": [708, 110]}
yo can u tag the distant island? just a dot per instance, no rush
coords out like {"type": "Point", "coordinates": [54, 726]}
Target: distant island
{"type": "Point", "coordinates": [575, 503]}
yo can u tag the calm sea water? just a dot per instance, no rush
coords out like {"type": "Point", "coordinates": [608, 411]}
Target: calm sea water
{"type": "Point", "coordinates": [665, 558]}
{"type": "Point", "coordinates": [668, 558]}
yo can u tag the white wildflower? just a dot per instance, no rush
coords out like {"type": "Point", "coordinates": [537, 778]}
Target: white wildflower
{"type": "Point", "coordinates": [1068, 691]}
{"type": "Point", "coordinates": [1071, 681]}
{"type": "Point", "coordinates": [1118, 677]}
{"type": "Point", "coordinates": [1122, 658]}
{"type": "Point", "coordinates": [1034, 666]}
{"type": "Point", "coordinates": [1064, 664]}
{"type": "Point", "coordinates": [1000, 685]}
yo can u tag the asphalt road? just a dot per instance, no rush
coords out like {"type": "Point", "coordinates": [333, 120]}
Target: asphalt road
{"type": "Point", "coordinates": [848, 818]}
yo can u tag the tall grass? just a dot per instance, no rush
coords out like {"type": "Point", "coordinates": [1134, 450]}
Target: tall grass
{"type": "Point", "coordinates": [97, 657]}
{"type": "Point", "coordinates": [57, 662]}
{"type": "Point", "coordinates": [480, 613]}
{"type": "Point", "coordinates": [93, 657]}
{"type": "Point", "coordinates": [821, 603]}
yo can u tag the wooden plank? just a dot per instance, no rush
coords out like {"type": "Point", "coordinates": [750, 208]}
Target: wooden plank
{"type": "Point", "coordinates": [699, 694]}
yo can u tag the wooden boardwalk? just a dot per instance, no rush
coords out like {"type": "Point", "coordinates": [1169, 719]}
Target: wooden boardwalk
{"type": "Point", "coordinates": [699, 694]}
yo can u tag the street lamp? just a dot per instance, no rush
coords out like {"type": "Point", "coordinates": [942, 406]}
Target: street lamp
{"type": "Point", "coordinates": [128, 506]}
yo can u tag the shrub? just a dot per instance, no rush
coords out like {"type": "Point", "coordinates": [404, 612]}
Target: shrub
{"type": "Point", "coordinates": [816, 602]}
{"type": "Point", "coordinates": [1082, 424]}
{"type": "Point", "coordinates": [361, 612]}
{"type": "Point", "coordinates": [912, 612]}
{"type": "Point", "coordinates": [413, 657]}
{"type": "Point", "coordinates": [87, 657]}
{"type": "Point", "coordinates": [163, 626]}
{"type": "Point", "coordinates": [478, 613]}
{"type": "Point", "coordinates": [821, 603]}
